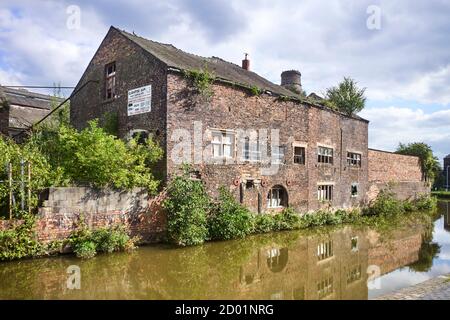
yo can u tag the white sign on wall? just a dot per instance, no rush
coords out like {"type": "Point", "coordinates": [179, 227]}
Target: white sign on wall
{"type": "Point", "coordinates": [140, 100]}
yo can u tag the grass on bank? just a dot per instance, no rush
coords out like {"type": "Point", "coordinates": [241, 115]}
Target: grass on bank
{"type": "Point", "coordinates": [441, 194]}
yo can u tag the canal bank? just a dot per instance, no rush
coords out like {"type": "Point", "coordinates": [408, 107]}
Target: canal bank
{"type": "Point", "coordinates": [433, 289]}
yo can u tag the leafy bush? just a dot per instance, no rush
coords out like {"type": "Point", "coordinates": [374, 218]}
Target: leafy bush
{"type": "Point", "coordinates": [187, 206]}
{"type": "Point", "coordinates": [385, 204]}
{"type": "Point", "coordinates": [86, 243]}
{"type": "Point", "coordinates": [20, 241]}
{"type": "Point", "coordinates": [425, 202]}
{"type": "Point", "coordinates": [97, 158]}
{"type": "Point", "coordinates": [229, 219]}
{"type": "Point", "coordinates": [263, 223]}
{"type": "Point", "coordinates": [288, 219]}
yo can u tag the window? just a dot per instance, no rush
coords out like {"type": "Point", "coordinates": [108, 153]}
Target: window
{"type": "Point", "coordinates": [354, 190]}
{"type": "Point", "coordinates": [140, 135]}
{"type": "Point", "coordinates": [251, 150]}
{"type": "Point", "coordinates": [325, 192]}
{"type": "Point", "coordinates": [354, 159]}
{"type": "Point", "coordinates": [325, 287]}
{"type": "Point", "coordinates": [222, 144]}
{"type": "Point", "coordinates": [277, 197]}
{"type": "Point", "coordinates": [325, 250]}
{"type": "Point", "coordinates": [110, 81]}
{"type": "Point", "coordinates": [299, 155]}
{"type": "Point", "coordinates": [354, 243]}
{"type": "Point", "coordinates": [278, 154]}
{"type": "Point", "coordinates": [325, 155]}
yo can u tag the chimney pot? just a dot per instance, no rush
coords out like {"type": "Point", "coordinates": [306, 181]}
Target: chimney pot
{"type": "Point", "coordinates": [246, 63]}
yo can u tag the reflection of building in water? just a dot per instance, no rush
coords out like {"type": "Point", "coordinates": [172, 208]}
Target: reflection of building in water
{"type": "Point", "coordinates": [331, 266]}
{"type": "Point", "coordinates": [444, 207]}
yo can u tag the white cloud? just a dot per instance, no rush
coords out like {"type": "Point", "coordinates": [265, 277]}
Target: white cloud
{"type": "Point", "coordinates": [389, 126]}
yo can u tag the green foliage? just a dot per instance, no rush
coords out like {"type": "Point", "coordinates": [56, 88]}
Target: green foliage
{"type": "Point", "coordinates": [20, 241]}
{"type": "Point", "coordinates": [255, 91]}
{"type": "Point", "coordinates": [229, 219]}
{"type": "Point", "coordinates": [425, 203]}
{"type": "Point", "coordinates": [346, 97]}
{"type": "Point", "coordinates": [187, 208]}
{"type": "Point", "coordinates": [201, 80]}
{"type": "Point", "coordinates": [264, 223]}
{"type": "Point", "coordinates": [288, 219]}
{"type": "Point", "coordinates": [98, 159]}
{"type": "Point", "coordinates": [86, 243]}
{"type": "Point", "coordinates": [110, 123]}
{"type": "Point", "coordinates": [430, 164]}
{"type": "Point", "coordinates": [385, 204]}
{"type": "Point", "coordinates": [441, 194]}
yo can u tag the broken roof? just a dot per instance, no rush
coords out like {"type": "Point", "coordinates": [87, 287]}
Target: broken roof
{"type": "Point", "coordinates": [22, 97]}
{"type": "Point", "coordinates": [223, 70]}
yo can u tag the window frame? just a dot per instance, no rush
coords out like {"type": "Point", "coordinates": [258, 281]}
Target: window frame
{"type": "Point", "coordinates": [222, 144]}
{"type": "Point", "coordinates": [280, 197]}
{"type": "Point", "coordinates": [323, 155]}
{"type": "Point", "coordinates": [325, 192]}
{"type": "Point", "coordinates": [276, 159]}
{"type": "Point", "coordinates": [354, 159]}
{"type": "Point", "coordinates": [296, 156]}
{"type": "Point", "coordinates": [354, 185]}
{"type": "Point", "coordinates": [110, 81]}
{"type": "Point", "coordinates": [249, 151]}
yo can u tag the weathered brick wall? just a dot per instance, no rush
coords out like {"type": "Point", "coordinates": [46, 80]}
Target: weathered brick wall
{"type": "Point", "coordinates": [4, 120]}
{"type": "Point", "coordinates": [400, 174]}
{"type": "Point", "coordinates": [390, 167]}
{"type": "Point", "coordinates": [64, 207]}
{"type": "Point", "coordinates": [233, 109]}
{"type": "Point", "coordinates": [134, 68]}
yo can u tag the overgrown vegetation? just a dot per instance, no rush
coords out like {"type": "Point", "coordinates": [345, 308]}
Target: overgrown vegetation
{"type": "Point", "coordinates": [431, 167]}
{"type": "Point", "coordinates": [346, 97]}
{"type": "Point", "coordinates": [201, 80]}
{"type": "Point", "coordinates": [194, 218]}
{"type": "Point", "coordinates": [62, 156]}
{"type": "Point", "coordinates": [255, 91]}
{"type": "Point", "coordinates": [21, 241]}
{"type": "Point", "coordinates": [87, 243]}
{"type": "Point", "coordinates": [229, 219]}
{"type": "Point", "coordinates": [187, 208]}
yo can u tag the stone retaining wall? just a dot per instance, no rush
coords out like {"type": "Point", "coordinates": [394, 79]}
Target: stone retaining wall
{"type": "Point", "coordinates": [64, 207]}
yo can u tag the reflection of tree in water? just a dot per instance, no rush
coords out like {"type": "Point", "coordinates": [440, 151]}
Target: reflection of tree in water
{"type": "Point", "coordinates": [428, 250]}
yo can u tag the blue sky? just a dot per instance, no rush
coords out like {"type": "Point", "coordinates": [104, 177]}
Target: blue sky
{"type": "Point", "coordinates": [404, 64]}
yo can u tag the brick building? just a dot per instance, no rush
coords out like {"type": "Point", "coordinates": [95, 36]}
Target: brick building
{"type": "Point", "coordinates": [265, 142]}
{"type": "Point", "coordinates": [19, 109]}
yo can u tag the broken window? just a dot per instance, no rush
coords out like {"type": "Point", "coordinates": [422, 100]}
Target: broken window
{"type": "Point", "coordinates": [354, 159]}
{"type": "Point", "coordinates": [110, 81]}
{"type": "Point", "coordinates": [325, 192]}
{"type": "Point", "coordinates": [249, 184]}
{"type": "Point", "coordinates": [354, 190]}
{"type": "Point", "coordinates": [299, 155]}
{"type": "Point", "coordinates": [222, 144]}
{"type": "Point", "coordinates": [251, 150]}
{"type": "Point", "coordinates": [325, 155]}
{"type": "Point", "coordinates": [277, 198]}
{"type": "Point", "coordinates": [141, 136]}
{"type": "Point", "coordinates": [278, 153]}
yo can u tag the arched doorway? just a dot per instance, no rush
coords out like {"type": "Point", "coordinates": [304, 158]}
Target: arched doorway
{"type": "Point", "coordinates": [277, 197]}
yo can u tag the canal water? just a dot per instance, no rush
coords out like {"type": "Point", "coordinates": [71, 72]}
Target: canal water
{"type": "Point", "coordinates": [325, 263]}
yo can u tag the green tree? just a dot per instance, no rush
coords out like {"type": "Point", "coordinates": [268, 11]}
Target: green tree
{"type": "Point", "coordinates": [346, 97]}
{"type": "Point", "coordinates": [431, 167]}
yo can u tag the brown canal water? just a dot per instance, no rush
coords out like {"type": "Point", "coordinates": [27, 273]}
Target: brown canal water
{"type": "Point", "coordinates": [326, 263]}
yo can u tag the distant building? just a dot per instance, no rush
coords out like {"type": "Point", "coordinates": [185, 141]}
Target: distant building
{"type": "Point", "coordinates": [19, 109]}
{"type": "Point", "coordinates": [446, 171]}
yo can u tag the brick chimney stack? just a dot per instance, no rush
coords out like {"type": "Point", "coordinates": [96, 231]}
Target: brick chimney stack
{"type": "Point", "coordinates": [246, 63]}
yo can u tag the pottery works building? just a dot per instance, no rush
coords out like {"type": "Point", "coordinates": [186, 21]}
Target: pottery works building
{"type": "Point", "coordinates": [19, 109]}
{"type": "Point", "coordinates": [321, 156]}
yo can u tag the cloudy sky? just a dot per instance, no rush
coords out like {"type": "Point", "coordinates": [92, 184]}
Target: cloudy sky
{"type": "Point", "coordinates": [399, 51]}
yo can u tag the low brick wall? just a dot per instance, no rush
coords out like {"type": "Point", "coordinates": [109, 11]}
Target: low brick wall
{"type": "Point", "coordinates": [399, 173]}
{"type": "Point", "coordinates": [63, 207]}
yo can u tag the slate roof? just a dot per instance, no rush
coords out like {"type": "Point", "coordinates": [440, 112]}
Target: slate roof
{"type": "Point", "coordinates": [224, 70]}
{"type": "Point", "coordinates": [25, 107]}
{"type": "Point", "coordinates": [176, 58]}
